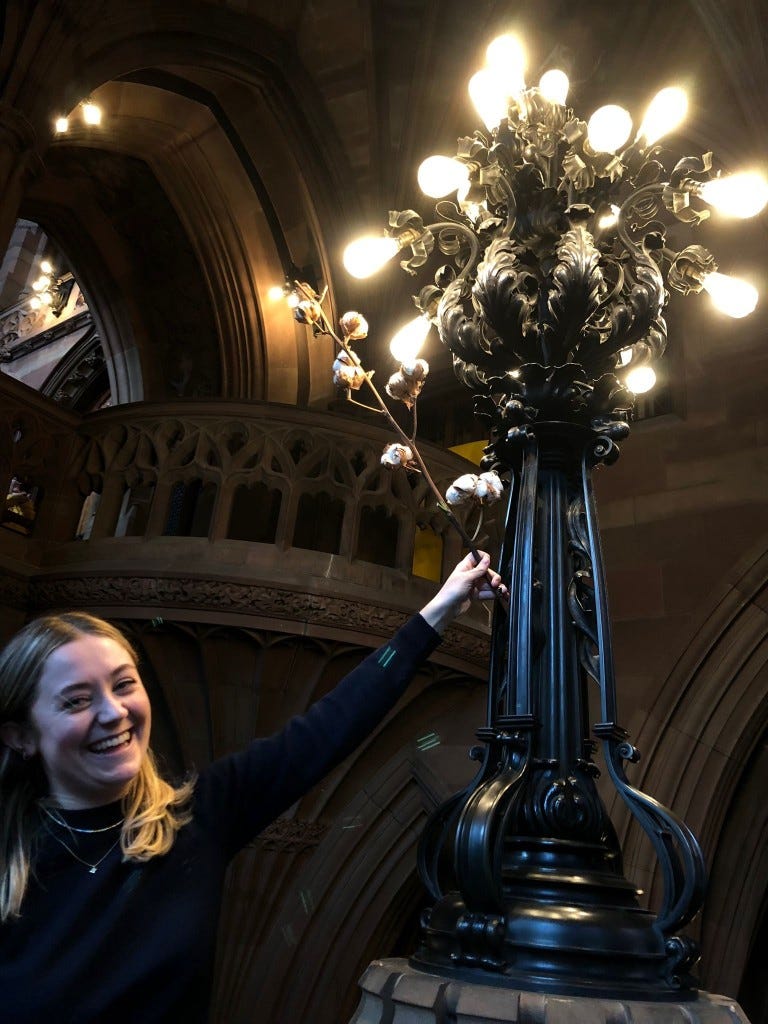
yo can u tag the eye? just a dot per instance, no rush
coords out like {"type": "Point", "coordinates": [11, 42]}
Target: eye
{"type": "Point", "coordinates": [76, 703]}
{"type": "Point", "coordinates": [125, 685]}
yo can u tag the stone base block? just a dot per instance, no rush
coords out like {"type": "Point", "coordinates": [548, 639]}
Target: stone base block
{"type": "Point", "coordinates": [396, 993]}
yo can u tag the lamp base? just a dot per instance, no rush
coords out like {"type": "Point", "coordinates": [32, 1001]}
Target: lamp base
{"type": "Point", "coordinates": [396, 993]}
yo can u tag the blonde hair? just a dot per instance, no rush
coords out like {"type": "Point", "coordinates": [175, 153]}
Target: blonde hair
{"type": "Point", "coordinates": [153, 809]}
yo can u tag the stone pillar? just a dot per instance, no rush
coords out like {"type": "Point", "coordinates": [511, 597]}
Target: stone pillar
{"type": "Point", "coordinates": [396, 993]}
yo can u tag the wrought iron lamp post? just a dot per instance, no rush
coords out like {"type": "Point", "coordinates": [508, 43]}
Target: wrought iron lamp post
{"type": "Point", "coordinates": [559, 267]}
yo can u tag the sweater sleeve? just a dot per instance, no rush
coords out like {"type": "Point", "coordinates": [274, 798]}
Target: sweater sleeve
{"type": "Point", "coordinates": [242, 793]}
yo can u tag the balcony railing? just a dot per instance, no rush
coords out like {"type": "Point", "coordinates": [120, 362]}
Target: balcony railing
{"type": "Point", "coordinates": [250, 492]}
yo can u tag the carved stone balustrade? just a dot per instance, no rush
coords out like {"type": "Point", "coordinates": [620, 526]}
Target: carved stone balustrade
{"type": "Point", "coordinates": [219, 509]}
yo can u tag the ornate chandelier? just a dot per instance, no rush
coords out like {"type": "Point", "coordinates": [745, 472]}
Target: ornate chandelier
{"type": "Point", "coordinates": [555, 269]}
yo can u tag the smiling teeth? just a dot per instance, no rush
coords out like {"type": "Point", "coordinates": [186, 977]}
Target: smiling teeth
{"type": "Point", "coordinates": [113, 741]}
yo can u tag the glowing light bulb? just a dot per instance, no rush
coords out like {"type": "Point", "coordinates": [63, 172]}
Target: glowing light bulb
{"type": "Point", "coordinates": [46, 298]}
{"type": "Point", "coordinates": [641, 379]}
{"type": "Point", "coordinates": [489, 97]}
{"type": "Point", "coordinates": [39, 284]}
{"type": "Point", "coordinates": [609, 219]}
{"type": "Point", "coordinates": [406, 344]}
{"type": "Point", "coordinates": [46, 266]}
{"type": "Point", "coordinates": [439, 175]}
{"type": "Point", "coordinates": [293, 300]}
{"type": "Point", "coordinates": [730, 295]}
{"type": "Point", "coordinates": [736, 195]}
{"type": "Point", "coordinates": [366, 255]}
{"type": "Point", "coordinates": [665, 112]}
{"type": "Point", "coordinates": [276, 293]}
{"type": "Point", "coordinates": [608, 128]}
{"type": "Point", "coordinates": [91, 112]}
{"type": "Point", "coordinates": [61, 124]}
{"type": "Point", "coordinates": [553, 86]}
{"type": "Point", "coordinates": [35, 302]}
{"type": "Point", "coordinates": [505, 58]}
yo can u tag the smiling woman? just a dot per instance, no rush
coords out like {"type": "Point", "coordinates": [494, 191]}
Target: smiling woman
{"type": "Point", "coordinates": [98, 852]}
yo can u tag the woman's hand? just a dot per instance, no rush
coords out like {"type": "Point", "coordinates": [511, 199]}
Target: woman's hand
{"type": "Point", "coordinates": [467, 583]}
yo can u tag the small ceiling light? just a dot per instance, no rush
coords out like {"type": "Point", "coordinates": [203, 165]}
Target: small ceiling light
{"type": "Point", "coordinates": [46, 266]}
{"type": "Point", "coordinates": [276, 293]}
{"type": "Point", "coordinates": [61, 124]}
{"type": "Point", "coordinates": [35, 302]}
{"type": "Point", "coordinates": [91, 112]}
{"type": "Point", "coordinates": [293, 300]}
{"type": "Point", "coordinates": [608, 128]}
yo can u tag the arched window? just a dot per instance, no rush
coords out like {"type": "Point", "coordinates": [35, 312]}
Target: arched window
{"type": "Point", "coordinates": [48, 339]}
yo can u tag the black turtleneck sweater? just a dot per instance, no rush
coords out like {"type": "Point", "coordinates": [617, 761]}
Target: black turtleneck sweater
{"type": "Point", "coordinates": [134, 943]}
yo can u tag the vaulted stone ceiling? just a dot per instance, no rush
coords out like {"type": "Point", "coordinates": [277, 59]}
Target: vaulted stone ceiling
{"type": "Point", "coordinates": [276, 131]}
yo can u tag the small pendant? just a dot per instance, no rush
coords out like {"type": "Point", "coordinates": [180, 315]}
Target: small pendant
{"type": "Point", "coordinates": [93, 870]}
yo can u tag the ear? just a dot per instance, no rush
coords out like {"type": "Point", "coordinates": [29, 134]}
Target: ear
{"type": "Point", "coordinates": [19, 738]}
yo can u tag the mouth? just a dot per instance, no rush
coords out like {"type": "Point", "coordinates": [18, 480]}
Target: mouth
{"type": "Point", "coordinates": [111, 743]}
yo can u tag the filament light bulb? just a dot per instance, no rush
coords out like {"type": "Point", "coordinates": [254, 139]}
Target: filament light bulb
{"type": "Point", "coordinates": [366, 255]}
{"type": "Point", "coordinates": [608, 128]}
{"type": "Point", "coordinates": [731, 295]}
{"type": "Point", "coordinates": [46, 266]}
{"type": "Point", "coordinates": [505, 58]}
{"type": "Point", "coordinates": [406, 344]}
{"type": "Point", "coordinates": [489, 97]}
{"type": "Point", "coordinates": [439, 175]}
{"type": "Point", "coordinates": [736, 195]}
{"type": "Point", "coordinates": [665, 112]}
{"type": "Point", "coordinates": [553, 86]}
{"type": "Point", "coordinates": [641, 379]}
{"type": "Point", "coordinates": [61, 124]}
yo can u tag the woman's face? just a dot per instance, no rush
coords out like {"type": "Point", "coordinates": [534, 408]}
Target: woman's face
{"type": "Point", "coordinates": [90, 721]}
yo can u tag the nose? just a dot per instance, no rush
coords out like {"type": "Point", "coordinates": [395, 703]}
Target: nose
{"type": "Point", "coordinates": [111, 708]}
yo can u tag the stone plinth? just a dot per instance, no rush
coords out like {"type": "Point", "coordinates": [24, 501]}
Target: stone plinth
{"type": "Point", "coordinates": [395, 993]}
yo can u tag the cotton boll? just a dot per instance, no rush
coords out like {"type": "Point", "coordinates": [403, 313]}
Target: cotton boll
{"type": "Point", "coordinates": [462, 490]}
{"type": "Point", "coordinates": [416, 370]}
{"type": "Point", "coordinates": [491, 487]}
{"type": "Point", "coordinates": [395, 455]}
{"type": "Point", "coordinates": [347, 372]}
{"type": "Point", "coordinates": [403, 388]}
{"type": "Point", "coordinates": [354, 326]}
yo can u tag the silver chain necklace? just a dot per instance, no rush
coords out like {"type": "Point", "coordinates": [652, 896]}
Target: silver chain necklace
{"type": "Point", "coordinates": [73, 828]}
{"type": "Point", "coordinates": [92, 866]}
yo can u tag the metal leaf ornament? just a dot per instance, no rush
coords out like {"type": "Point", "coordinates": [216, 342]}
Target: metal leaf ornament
{"type": "Point", "coordinates": [574, 296]}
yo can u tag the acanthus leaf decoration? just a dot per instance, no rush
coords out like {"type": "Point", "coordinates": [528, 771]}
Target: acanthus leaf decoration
{"type": "Point", "coordinates": [574, 295]}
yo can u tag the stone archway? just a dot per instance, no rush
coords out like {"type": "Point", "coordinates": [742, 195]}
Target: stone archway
{"type": "Point", "coordinates": [703, 754]}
